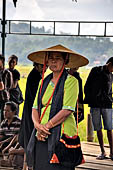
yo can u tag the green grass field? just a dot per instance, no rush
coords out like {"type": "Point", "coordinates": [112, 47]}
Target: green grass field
{"type": "Point", "coordinates": [24, 71]}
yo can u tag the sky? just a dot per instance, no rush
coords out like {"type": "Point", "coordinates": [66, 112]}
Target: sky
{"type": "Point", "coordinates": [60, 10]}
{"type": "Point", "coordinates": [84, 10]}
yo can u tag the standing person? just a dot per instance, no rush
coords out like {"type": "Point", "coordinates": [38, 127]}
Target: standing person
{"type": "Point", "coordinates": [5, 85]}
{"type": "Point", "coordinates": [15, 92]}
{"type": "Point", "coordinates": [31, 89]}
{"type": "Point", "coordinates": [12, 62]}
{"type": "Point", "coordinates": [98, 94]}
{"type": "Point", "coordinates": [58, 104]}
{"type": "Point", "coordinates": [75, 73]}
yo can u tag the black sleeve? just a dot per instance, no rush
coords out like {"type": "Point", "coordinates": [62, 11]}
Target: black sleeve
{"type": "Point", "coordinates": [107, 87]}
{"type": "Point", "coordinates": [16, 75]}
{"type": "Point", "coordinates": [89, 81]}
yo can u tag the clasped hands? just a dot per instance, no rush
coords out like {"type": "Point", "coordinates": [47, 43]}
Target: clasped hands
{"type": "Point", "coordinates": [42, 132]}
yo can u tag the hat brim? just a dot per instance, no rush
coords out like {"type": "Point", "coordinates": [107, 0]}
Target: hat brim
{"type": "Point", "coordinates": [75, 59]}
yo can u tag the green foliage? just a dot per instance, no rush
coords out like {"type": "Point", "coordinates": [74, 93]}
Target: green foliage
{"type": "Point", "coordinates": [98, 49]}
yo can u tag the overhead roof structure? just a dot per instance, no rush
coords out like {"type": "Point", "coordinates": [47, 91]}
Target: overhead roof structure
{"type": "Point", "coordinates": [63, 28]}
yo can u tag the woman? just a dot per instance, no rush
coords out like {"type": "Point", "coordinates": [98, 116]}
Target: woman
{"type": "Point", "coordinates": [15, 92]}
{"type": "Point", "coordinates": [56, 97]}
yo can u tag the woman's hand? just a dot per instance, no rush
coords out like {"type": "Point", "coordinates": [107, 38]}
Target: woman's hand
{"type": "Point", "coordinates": [42, 132]}
{"type": "Point", "coordinates": [39, 137]}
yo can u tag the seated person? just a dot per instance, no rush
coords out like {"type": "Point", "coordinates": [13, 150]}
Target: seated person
{"type": "Point", "coordinates": [15, 157]}
{"type": "Point", "coordinates": [10, 126]}
{"type": "Point", "coordinates": [13, 142]}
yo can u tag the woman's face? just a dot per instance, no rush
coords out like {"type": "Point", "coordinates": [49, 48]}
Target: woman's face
{"type": "Point", "coordinates": [12, 64]}
{"type": "Point", "coordinates": [55, 61]}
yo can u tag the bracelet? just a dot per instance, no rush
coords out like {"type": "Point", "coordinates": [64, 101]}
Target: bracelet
{"type": "Point", "coordinates": [51, 123]}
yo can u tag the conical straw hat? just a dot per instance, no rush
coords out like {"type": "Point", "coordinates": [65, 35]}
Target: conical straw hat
{"type": "Point", "coordinates": [75, 59]}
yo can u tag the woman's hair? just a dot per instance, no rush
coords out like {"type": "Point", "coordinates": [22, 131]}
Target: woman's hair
{"type": "Point", "coordinates": [110, 60]}
{"type": "Point", "coordinates": [12, 105]}
{"type": "Point", "coordinates": [37, 64]}
{"type": "Point", "coordinates": [12, 57]}
{"type": "Point", "coordinates": [64, 55]}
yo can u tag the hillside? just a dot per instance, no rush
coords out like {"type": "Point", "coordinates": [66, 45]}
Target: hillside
{"type": "Point", "coordinates": [96, 50]}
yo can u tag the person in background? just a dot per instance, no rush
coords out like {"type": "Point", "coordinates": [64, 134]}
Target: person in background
{"type": "Point", "coordinates": [6, 83]}
{"type": "Point", "coordinates": [15, 92]}
{"type": "Point", "coordinates": [12, 62]}
{"type": "Point", "coordinates": [30, 93]}
{"type": "Point", "coordinates": [15, 157]}
{"type": "Point", "coordinates": [73, 72]}
{"type": "Point", "coordinates": [10, 126]}
{"type": "Point", "coordinates": [48, 115]}
{"type": "Point", "coordinates": [98, 94]}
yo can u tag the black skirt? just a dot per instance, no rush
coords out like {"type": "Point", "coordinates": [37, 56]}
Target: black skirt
{"type": "Point", "coordinates": [41, 159]}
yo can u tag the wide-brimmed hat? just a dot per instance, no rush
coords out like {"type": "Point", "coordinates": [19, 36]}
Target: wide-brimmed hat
{"type": "Point", "coordinates": [75, 59]}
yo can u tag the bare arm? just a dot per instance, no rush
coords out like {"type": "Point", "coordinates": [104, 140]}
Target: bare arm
{"type": "Point", "coordinates": [14, 139]}
{"type": "Point", "coordinates": [42, 130]}
{"type": "Point", "coordinates": [15, 84]}
{"type": "Point", "coordinates": [60, 117]}
{"type": "Point", "coordinates": [6, 140]}
{"type": "Point", "coordinates": [35, 117]}
{"type": "Point", "coordinates": [1, 85]}
{"type": "Point", "coordinates": [19, 151]}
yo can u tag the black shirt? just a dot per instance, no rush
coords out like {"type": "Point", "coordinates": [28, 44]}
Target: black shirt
{"type": "Point", "coordinates": [98, 88]}
{"type": "Point", "coordinates": [15, 74]}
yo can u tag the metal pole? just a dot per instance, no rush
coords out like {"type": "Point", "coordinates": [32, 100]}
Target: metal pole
{"type": "Point", "coordinates": [3, 22]}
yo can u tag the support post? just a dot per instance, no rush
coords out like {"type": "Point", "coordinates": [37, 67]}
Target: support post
{"type": "Point", "coordinates": [3, 22]}
{"type": "Point", "coordinates": [90, 134]}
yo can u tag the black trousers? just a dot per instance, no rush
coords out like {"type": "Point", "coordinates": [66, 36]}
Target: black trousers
{"type": "Point", "coordinates": [41, 158]}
